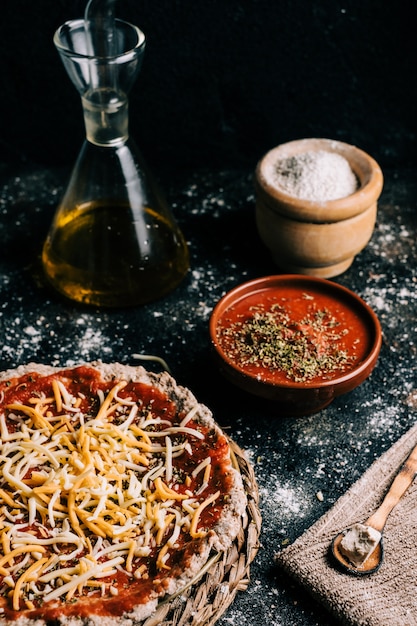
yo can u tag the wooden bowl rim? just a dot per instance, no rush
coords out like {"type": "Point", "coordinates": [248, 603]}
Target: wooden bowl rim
{"type": "Point", "coordinates": [363, 165]}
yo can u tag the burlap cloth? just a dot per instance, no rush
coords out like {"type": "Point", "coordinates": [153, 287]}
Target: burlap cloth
{"type": "Point", "coordinates": [387, 597]}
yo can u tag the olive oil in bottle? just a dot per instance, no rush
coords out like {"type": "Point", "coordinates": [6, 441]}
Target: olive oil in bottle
{"type": "Point", "coordinates": [113, 241]}
{"type": "Point", "coordinates": [106, 254]}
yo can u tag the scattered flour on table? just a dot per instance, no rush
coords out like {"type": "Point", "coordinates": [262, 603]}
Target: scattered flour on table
{"type": "Point", "coordinates": [74, 340]}
{"type": "Point", "coordinates": [279, 499]}
{"type": "Point", "coordinates": [317, 176]}
{"type": "Point", "coordinates": [71, 339]}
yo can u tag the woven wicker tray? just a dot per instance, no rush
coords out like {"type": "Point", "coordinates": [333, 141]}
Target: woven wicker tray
{"type": "Point", "coordinates": [204, 601]}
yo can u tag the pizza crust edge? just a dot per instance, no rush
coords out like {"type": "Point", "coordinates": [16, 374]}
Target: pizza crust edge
{"type": "Point", "coordinates": [219, 539]}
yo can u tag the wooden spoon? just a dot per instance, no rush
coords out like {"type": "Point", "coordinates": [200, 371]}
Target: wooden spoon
{"type": "Point", "coordinates": [377, 521]}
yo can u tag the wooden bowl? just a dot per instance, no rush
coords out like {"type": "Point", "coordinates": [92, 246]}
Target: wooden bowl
{"type": "Point", "coordinates": [311, 237]}
{"type": "Point", "coordinates": [259, 329]}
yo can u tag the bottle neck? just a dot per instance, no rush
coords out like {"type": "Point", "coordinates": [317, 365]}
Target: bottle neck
{"type": "Point", "coordinates": [106, 117]}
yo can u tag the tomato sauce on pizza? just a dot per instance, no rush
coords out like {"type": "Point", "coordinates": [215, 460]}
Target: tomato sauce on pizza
{"type": "Point", "coordinates": [109, 489]}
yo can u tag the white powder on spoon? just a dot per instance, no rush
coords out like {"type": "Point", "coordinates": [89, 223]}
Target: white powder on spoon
{"type": "Point", "coordinates": [317, 176]}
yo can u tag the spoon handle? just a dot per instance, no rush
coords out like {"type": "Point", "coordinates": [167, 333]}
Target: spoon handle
{"type": "Point", "coordinates": [399, 486]}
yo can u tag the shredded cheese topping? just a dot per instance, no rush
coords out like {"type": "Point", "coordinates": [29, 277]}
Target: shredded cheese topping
{"type": "Point", "coordinates": [84, 496]}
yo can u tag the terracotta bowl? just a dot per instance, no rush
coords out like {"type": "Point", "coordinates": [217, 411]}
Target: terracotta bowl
{"type": "Point", "coordinates": [351, 328]}
{"type": "Point", "coordinates": [316, 238]}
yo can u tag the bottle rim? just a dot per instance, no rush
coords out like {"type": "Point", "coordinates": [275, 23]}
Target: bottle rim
{"type": "Point", "coordinates": [66, 33]}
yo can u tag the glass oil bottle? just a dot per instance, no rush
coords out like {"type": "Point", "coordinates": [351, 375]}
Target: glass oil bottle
{"type": "Point", "coordinates": [113, 241]}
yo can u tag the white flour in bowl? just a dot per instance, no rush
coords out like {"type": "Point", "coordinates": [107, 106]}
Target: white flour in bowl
{"type": "Point", "coordinates": [317, 176]}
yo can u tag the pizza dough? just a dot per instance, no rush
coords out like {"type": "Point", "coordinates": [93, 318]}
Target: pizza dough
{"type": "Point", "coordinates": [116, 488]}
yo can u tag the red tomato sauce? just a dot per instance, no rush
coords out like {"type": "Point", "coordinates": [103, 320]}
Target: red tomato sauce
{"type": "Point", "coordinates": [287, 335]}
{"type": "Point", "coordinates": [85, 382]}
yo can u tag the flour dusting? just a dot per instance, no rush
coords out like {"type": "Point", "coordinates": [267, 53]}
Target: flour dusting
{"type": "Point", "coordinates": [317, 176]}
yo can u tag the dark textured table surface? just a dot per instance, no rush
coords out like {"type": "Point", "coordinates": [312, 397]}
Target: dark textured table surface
{"type": "Point", "coordinates": [295, 459]}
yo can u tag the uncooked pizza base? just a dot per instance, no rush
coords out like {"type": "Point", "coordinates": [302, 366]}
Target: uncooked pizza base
{"type": "Point", "coordinates": [219, 537]}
